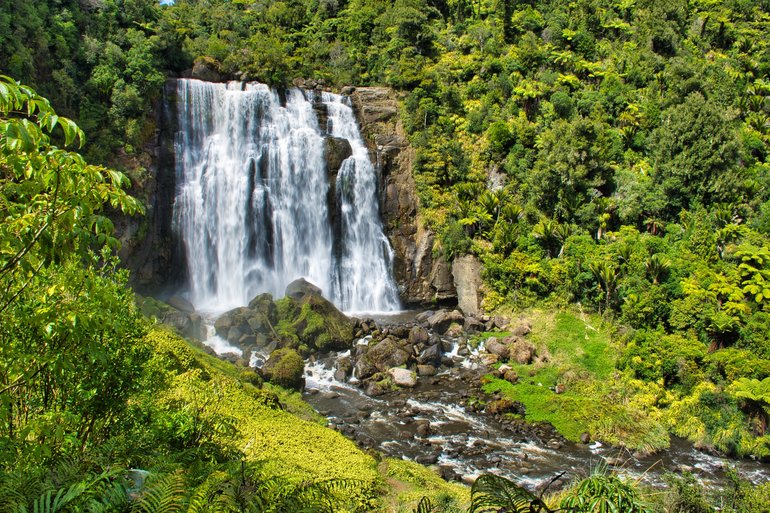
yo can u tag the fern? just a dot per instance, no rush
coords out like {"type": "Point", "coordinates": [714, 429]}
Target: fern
{"type": "Point", "coordinates": [425, 506]}
{"type": "Point", "coordinates": [491, 493]}
{"type": "Point", "coordinates": [96, 494]}
{"type": "Point", "coordinates": [164, 494]}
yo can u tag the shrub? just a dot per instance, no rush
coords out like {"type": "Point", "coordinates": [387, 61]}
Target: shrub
{"type": "Point", "coordinates": [602, 493]}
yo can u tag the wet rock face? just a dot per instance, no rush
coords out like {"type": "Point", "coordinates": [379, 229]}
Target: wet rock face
{"type": "Point", "coordinates": [336, 150]}
{"type": "Point", "coordinates": [421, 277]}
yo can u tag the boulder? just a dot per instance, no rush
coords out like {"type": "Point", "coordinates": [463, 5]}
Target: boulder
{"type": "Point", "coordinates": [431, 355]}
{"type": "Point", "coordinates": [511, 376]}
{"type": "Point", "coordinates": [364, 369]}
{"type": "Point", "coordinates": [522, 329]}
{"type": "Point", "coordinates": [285, 368]}
{"type": "Point", "coordinates": [314, 322]}
{"type": "Point", "coordinates": [300, 287]}
{"type": "Point", "coordinates": [181, 304]}
{"type": "Point", "coordinates": [442, 320]}
{"type": "Point", "coordinates": [423, 317]}
{"type": "Point", "coordinates": [455, 330]}
{"type": "Point", "coordinates": [375, 388]}
{"type": "Point", "coordinates": [423, 427]}
{"type": "Point", "coordinates": [472, 325]}
{"type": "Point", "coordinates": [386, 354]}
{"type": "Point", "coordinates": [466, 271]}
{"type": "Point", "coordinates": [500, 406]}
{"type": "Point", "coordinates": [403, 377]}
{"type": "Point", "coordinates": [206, 69]}
{"type": "Point", "coordinates": [418, 336]}
{"type": "Point", "coordinates": [585, 437]}
{"type": "Point", "coordinates": [493, 346]}
{"type": "Point", "coordinates": [521, 351]}
{"type": "Point", "coordinates": [500, 322]}
{"type": "Point", "coordinates": [426, 370]}
{"type": "Point", "coordinates": [489, 359]}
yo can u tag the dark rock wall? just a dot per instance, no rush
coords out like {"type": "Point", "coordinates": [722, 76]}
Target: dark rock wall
{"type": "Point", "coordinates": [421, 277]}
{"type": "Point", "coordinates": [147, 248]}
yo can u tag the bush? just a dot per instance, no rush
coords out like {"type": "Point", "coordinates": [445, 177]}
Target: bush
{"type": "Point", "coordinates": [675, 359]}
{"type": "Point", "coordinates": [602, 493]}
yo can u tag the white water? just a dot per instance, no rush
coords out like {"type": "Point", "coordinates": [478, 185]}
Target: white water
{"type": "Point", "coordinates": [251, 207]}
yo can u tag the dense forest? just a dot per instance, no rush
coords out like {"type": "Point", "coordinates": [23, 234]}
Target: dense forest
{"type": "Point", "coordinates": [608, 156]}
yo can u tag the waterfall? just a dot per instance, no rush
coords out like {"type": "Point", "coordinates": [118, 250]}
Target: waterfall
{"type": "Point", "coordinates": [252, 202]}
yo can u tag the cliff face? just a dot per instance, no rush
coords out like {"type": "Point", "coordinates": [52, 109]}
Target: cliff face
{"type": "Point", "coordinates": [421, 277]}
{"type": "Point", "coordinates": [148, 246]}
{"type": "Point", "coordinates": [146, 243]}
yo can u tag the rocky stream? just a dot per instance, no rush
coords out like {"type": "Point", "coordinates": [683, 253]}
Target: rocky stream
{"type": "Point", "coordinates": [408, 385]}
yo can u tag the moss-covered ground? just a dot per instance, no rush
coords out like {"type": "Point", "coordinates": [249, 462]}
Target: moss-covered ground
{"type": "Point", "coordinates": [580, 355]}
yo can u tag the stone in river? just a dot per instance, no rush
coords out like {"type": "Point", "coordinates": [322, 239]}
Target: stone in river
{"type": "Point", "coordinates": [403, 377]}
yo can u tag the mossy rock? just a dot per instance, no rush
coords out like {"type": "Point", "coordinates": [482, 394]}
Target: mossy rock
{"type": "Point", "coordinates": [285, 368]}
{"type": "Point", "coordinates": [313, 322]}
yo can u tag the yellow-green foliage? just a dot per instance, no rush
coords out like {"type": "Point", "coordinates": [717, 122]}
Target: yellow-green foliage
{"type": "Point", "coordinates": [409, 482]}
{"type": "Point", "coordinates": [243, 417]}
{"type": "Point", "coordinates": [708, 416]}
{"type": "Point", "coordinates": [581, 357]}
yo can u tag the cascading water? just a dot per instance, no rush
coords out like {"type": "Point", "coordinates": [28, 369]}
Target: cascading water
{"type": "Point", "coordinates": [251, 208]}
{"type": "Point", "coordinates": [361, 234]}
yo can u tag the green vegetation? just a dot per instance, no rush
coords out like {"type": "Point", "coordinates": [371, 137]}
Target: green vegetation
{"type": "Point", "coordinates": [577, 354]}
{"type": "Point", "coordinates": [608, 154]}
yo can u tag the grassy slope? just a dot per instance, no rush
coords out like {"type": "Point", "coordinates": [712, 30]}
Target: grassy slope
{"type": "Point", "coordinates": [293, 440]}
{"type": "Point", "coordinates": [597, 398]}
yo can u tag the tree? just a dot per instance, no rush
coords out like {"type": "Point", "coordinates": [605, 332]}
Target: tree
{"type": "Point", "coordinates": [695, 153]}
{"type": "Point", "coordinates": [574, 166]}
{"type": "Point", "coordinates": [69, 332]}
{"type": "Point", "coordinates": [50, 199]}
{"type": "Point", "coordinates": [756, 395]}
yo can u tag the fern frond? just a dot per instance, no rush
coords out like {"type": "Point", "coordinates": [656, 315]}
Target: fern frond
{"type": "Point", "coordinates": [490, 493]}
{"type": "Point", "coordinates": [166, 494]}
{"type": "Point", "coordinates": [425, 506]}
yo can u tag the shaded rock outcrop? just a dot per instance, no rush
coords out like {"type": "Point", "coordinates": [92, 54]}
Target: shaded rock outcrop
{"type": "Point", "coordinates": [421, 277]}
{"type": "Point", "coordinates": [177, 314]}
{"type": "Point", "coordinates": [146, 241]}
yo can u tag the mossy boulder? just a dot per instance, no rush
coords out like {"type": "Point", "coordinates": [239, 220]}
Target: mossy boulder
{"type": "Point", "coordinates": [383, 355]}
{"type": "Point", "coordinates": [305, 321]}
{"type": "Point", "coordinates": [285, 368]}
{"type": "Point", "coordinates": [312, 323]}
{"type": "Point", "coordinates": [252, 325]}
